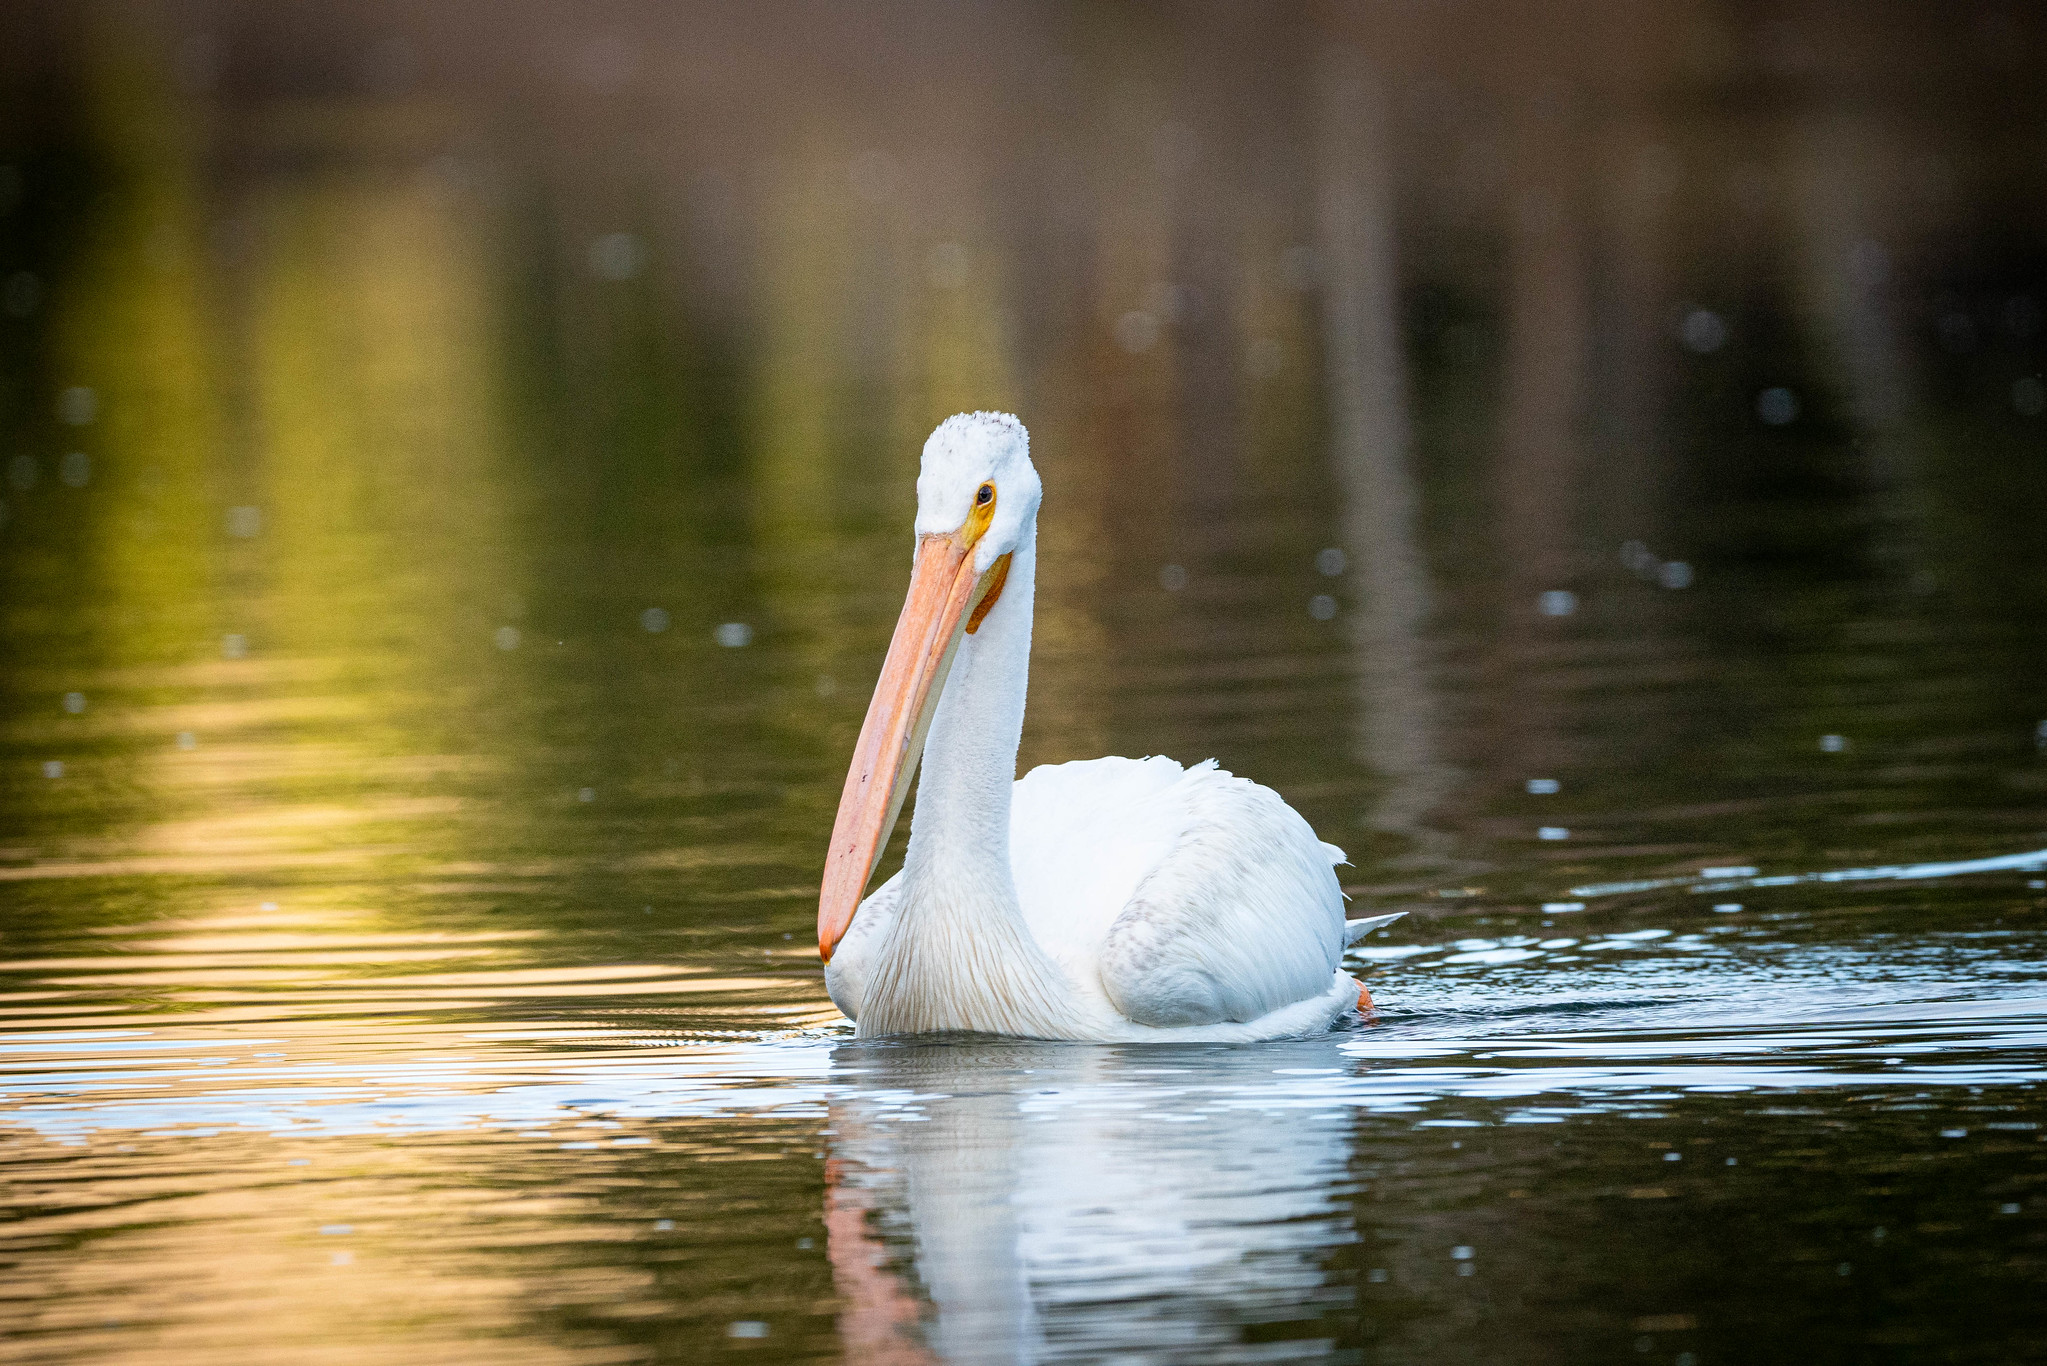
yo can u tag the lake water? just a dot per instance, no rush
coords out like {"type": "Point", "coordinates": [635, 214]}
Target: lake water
{"type": "Point", "coordinates": [457, 492]}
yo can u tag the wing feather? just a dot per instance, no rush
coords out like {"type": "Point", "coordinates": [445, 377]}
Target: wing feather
{"type": "Point", "coordinates": [1354, 930]}
{"type": "Point", "coordinates": [1243, 914]}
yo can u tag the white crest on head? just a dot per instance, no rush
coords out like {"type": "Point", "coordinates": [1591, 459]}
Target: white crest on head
{"type": "Point", "coordinates": [965, 452]}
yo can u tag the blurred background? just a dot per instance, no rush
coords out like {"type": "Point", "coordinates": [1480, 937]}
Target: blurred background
{"type": "Point", "coordinates": [400, 401]}
{"type": "Point", "coordinates": [456, 471]}
{"type": "Point", "coordinates": [405, 403]}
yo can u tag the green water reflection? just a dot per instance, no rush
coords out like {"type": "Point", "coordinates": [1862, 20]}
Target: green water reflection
{"type": "Point", "coordinates": [455, 475]}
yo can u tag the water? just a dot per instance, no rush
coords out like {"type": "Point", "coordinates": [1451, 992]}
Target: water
{"type": "Point", "coordinates": [1603, 502]}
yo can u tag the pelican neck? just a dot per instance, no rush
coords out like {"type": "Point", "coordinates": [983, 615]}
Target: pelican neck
{"type": "Point", "coordinates": [959, 829]}
{"type": "Point", "coordinates": [959, 954]}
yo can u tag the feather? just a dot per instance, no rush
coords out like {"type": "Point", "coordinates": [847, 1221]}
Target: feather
{"type": "Point", "coordinates": [1354, 930]}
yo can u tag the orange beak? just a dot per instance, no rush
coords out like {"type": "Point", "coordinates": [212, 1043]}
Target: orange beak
{"type": "Point", "coordinates": [943, 588]}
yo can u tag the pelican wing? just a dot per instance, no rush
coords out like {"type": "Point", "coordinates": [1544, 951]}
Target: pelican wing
{"type": "Point", "coordinates": [1199, 897]}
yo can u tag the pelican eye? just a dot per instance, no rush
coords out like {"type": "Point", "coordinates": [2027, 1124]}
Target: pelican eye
{"type": "Point", "coordinates": [979, 516]}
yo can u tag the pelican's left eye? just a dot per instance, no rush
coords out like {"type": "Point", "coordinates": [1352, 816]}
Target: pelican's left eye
{"type": "Point", "coordinates": [984, 494]}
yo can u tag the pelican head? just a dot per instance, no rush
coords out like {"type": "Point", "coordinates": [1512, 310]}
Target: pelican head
{"type": "Point", "coordinates": [977, 498]}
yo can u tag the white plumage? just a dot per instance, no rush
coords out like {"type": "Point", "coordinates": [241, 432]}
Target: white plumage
{"type": "Point", "coordinates": [1111, 899]}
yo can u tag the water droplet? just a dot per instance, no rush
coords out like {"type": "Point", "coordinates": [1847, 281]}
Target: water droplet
{"type": "Point", "coordinates": [187, 740]}
{"type": "Point", "coordinates": [1552, 832]}
{"type": "Point", "coordinates": [586, 794]}
{"type": "Point", "coordinates": [1173, 578]}
{"type": "Point", "coordinates": [1704, 331]}
{"type": "Point", "coordinates": [2008, 1208]}
{"type": "Point", "coordinates": [1137, 331]}
{"type": "Point", "coordinates": [826, 685]}
{"type": "Point", "coordinates": [734, 635]}
{"type": "Point", "coordinates": [244, 522]}
{"type": "Point", "coordinates": [234, 645]}
{"type": "Point", "coordinates": [74, 702]}
{"type": "Point", "coordinates": [1322, 607]}
{"type": "Point", "coordinates": [1728, 907]}
{"type": "Point", "coordinates": [1561, 907]}
{"type": "Point", "coordinates": [616, 256]}
{"type": "Point", "coordinates": [1330, 562]}
{"type": "Point", "coordinates": [747, 1328]}
{"type": "Point", "coordinates": [1557, 602]}
{"type": "Point", "coordinates": [78, 405]}
{"type": "Point", "coordinates": [654, 620]}
{"type": "Point", "coordinates": [75, 469]}
{"type": "Point", "coordinates": [337, 1230]}
{"type": "Point", "coordinates": [663, 1225]}
{"type": "Point", "coordinates": [1833, 744]}
{"type": "Point", "coordinates": [1675, 574]}
{"type": "Point", "coordinates": [1542, 787]}
{"type": "Point", "coordinates": [1638, 558]}
{"type": "Point", "coordinates": [506, 637]}
{"type": "Point", "coordinates": [1777, 406]}
{"type": "Point", "coordinates": [1378, 1275]}
{"type": "Point", "coordinates": [1954, 1133]}
{"type": "Point", "coordinates": [53, 768]}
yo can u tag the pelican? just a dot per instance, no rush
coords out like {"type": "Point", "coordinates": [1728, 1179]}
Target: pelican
{"type": "Point", "coordinates": [1111, 900]}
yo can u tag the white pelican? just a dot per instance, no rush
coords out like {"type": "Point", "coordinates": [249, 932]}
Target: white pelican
{"type": "Point", "coordinates": [1110, 900]}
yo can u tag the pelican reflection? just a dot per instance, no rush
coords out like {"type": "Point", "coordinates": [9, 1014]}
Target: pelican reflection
{"type": "Point", "coordinates": [1005, 1201]}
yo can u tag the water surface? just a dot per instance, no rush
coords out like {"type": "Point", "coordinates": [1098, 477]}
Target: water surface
{"type": "Point", "coordinates": [458, 480]}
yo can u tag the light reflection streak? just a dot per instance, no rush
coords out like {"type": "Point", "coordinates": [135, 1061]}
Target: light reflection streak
{"type": "Point", "coordinates": [1372, 455]}
{"type": "Point", "coordinates": [645, 1081]}
{"type": "Point", "coordinates": [1896, 872]}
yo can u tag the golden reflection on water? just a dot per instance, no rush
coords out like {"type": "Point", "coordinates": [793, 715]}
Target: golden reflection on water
{"type": "Point", "coordinates": [131, 323]}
